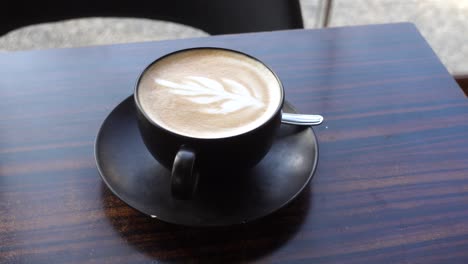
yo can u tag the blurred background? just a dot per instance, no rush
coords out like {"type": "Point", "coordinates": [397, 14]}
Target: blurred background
{"type": "Point", "coordinates": [444, 23]}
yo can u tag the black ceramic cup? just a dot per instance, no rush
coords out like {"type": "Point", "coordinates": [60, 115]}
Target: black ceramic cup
{"type": "Point", "coordinates": [190, 157]}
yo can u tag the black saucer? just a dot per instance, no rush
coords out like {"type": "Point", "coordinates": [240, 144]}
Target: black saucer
{"type": "Point", "coordinates": [133, 175]}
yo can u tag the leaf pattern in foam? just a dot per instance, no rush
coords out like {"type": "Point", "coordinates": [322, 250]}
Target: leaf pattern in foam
{"type": "Point", "coordinates": [219, 97]}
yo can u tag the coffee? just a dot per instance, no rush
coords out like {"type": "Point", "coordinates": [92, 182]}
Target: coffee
{"type": "Point", "coordinates": [209, 93]}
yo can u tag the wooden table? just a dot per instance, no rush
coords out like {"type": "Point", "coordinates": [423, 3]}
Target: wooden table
{"type": "Point", "coordinates": [391, 184]}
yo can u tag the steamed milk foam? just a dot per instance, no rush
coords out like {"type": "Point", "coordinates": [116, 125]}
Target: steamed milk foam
{"type": "Point", "coordinates": [208, 93]}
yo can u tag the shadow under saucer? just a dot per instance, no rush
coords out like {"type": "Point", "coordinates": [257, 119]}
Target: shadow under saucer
{"type": "Point", "coordinates": [161, 241]}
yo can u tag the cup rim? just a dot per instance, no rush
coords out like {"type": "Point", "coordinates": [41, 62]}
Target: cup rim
{"type": "Point", "coordinates": [152, 122]}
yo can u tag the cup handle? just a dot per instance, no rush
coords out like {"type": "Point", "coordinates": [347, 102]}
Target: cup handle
{"type": "Point", "coordinates": [184, 178]}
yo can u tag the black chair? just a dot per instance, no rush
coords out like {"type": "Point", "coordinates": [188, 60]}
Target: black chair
{"type": "Point", "coordinates": [212, 16]}
{"type": "Point", "coordinates": [462, 80]}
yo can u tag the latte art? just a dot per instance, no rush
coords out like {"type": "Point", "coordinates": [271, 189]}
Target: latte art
{"type": "Point", "coordinates": [214, 97]}
{"type": "Point", "coordinates": [209, 93]}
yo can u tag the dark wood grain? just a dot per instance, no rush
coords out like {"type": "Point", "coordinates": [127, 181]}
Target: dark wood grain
{"type": "Point", "coordinates": [391, 184]}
